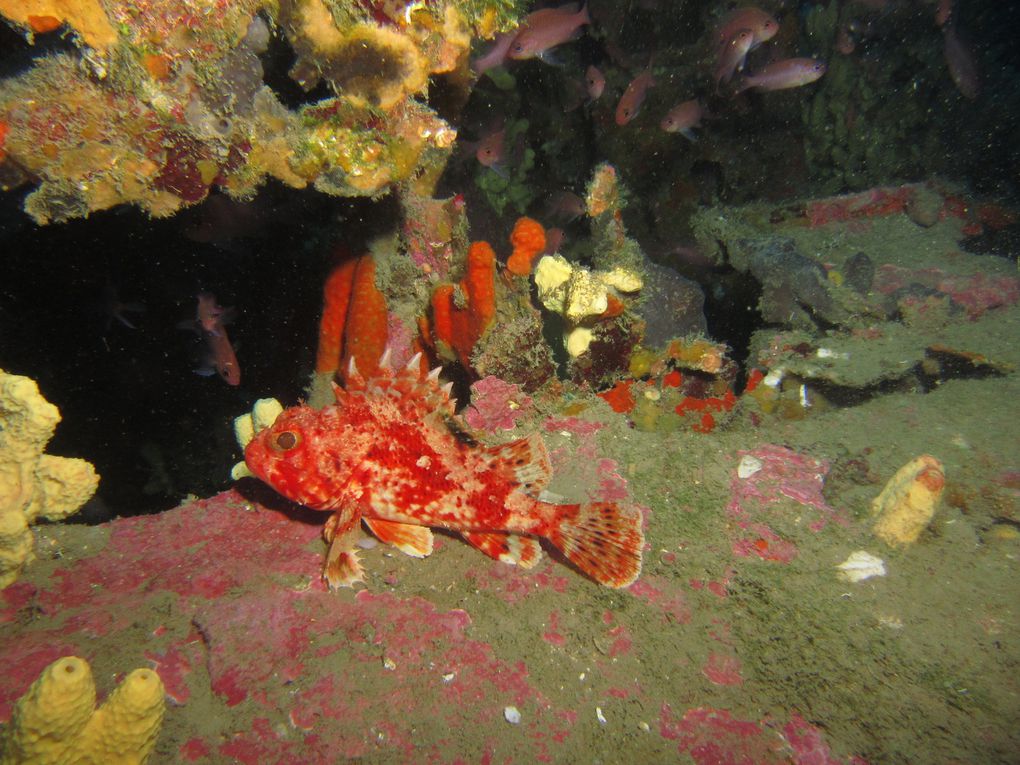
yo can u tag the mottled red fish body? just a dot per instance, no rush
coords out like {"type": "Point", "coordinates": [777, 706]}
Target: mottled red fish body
{"type": "Point", "coordinates": [386, 454]}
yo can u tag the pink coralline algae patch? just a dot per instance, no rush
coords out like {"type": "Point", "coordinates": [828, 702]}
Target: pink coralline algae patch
{"type": "Point", "coordinates": [572, 425]}
{"type": "Point", "coordinates": [400, 338]}
{"type": "Point", "coordinates": [809, 747]}
{"type": "Point", "coordinates": [552, 634]}
{"type": "Point", "coordinates": [760, 497]}
{"type": "Point", "coordinates": [514, 584]}
{"type": "Point", "coordinates": [320, 677]}
{"type": "Point", "coordinates": [714, 737]}
{"type": "Point", "coordinates": [980, 292]}
{"type": "Point", "coordinates": [722, 669]}
{"type": "Point", "coordinates": [765, 544]}
{"type": "Point", "coordinates": [496, 405]}
{"type": "Point", "coordinates": [873, 203]}
{"type": "Point", "coordinates": [175, 664]}
{"type": "Point", "coordinates": [975, 293]}
{"type": "Point", "coordinates": [132, 563]}
{"type": "Point", "coordinates": [718, 587]}
{"type": "Point", "coordinates": [664, 595]}
{"type": "Point", "coordinates": [580, 458]}
{"type": "Point", "coordinates": [612, 486]}
{"type": "Point", "coordinates": [785, 474]}
{"type": "Point", "coordinates": [617, 640]}
{"type": "Point", "coordinates": [282, 636]}
{"type": "Point", "coordinates": [621, 644]}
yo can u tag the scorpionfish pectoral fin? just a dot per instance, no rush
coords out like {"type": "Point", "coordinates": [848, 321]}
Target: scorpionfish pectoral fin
{"type": "Point", "coordinates": [342, 569]}
{"type": "Point", "coordinates": [409, 538]}
{"type": "Point", "coordinates": [524, 462]}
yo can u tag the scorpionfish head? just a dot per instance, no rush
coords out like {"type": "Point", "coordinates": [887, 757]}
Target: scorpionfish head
{"type": "Point", "coordinates": [293, 455]}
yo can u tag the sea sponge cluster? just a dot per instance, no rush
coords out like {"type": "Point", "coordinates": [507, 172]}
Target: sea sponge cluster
{"type": "Point", "coordinates": [262, 415]}
{"type": "Point", "coordinates": [32, 484]}
{"type": "Point", "coordinates": [56, 722]}
{"type": "Point", "coordinates": [580, 295]}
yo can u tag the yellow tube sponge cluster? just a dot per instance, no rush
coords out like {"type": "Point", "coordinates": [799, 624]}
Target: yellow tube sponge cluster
{"type": "Point", "coordinates": [261, 416]}
{"type": "Point", "coordinates": [56, 722]}
{"type": "Point", "coordinates": [32, 484]}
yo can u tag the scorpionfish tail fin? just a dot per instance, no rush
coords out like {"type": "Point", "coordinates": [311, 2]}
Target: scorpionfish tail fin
{"type": "Point", "coordinates": [602, 539]}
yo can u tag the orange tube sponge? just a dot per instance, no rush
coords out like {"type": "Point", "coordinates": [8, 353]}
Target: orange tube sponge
{"type": "Point", "coordinates": [479, 284]}
{"type": "Point", "coordinates": [442, 315]}
{"type": "Point", "coordinates": [336, 299]}
{"type": "Point", "coordinates": [460, 327]}
{"type": "Point", "coordinates": [528, 240]}
{"type": "Point", "coordinates": [355, 322]}
{"type": "Point", "coordinates": [367, 328]}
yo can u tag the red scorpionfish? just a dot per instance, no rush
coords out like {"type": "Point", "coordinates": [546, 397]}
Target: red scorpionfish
{"type": "Point", "coordinates": [386, 455]}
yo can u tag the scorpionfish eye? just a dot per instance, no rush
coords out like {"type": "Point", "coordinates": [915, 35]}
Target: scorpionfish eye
{"type": "Point", "coordinates": [285, 441]}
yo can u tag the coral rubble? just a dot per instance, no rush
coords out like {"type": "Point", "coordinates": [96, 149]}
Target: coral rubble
{"type": "Point", "coordinates": [33, 485]}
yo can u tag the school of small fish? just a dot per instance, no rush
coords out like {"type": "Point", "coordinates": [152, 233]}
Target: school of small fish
{"type": "Point", "coordinates": [737, 33]}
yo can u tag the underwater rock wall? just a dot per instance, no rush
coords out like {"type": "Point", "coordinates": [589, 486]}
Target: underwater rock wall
{"type": "Point", "coordinates": [159, 104]}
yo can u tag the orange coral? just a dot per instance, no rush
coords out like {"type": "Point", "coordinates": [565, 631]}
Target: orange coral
{"type": "Point", "coordinates": [672, 379]}
{"type": "Point", "coordinates": [614, 307]}
{"type": "Point", "coordinates": [461, 327]}
{"type": "Point", "coordinates": [620, 397]}
{"type": "Point", "coordinates": [354, 318]}
{"type": "Point", "coordinates": [528, 240]}
{"type": "Point", "coordinates": [157, 65]}
{"type": "Point", "coordinates": [43, 24]}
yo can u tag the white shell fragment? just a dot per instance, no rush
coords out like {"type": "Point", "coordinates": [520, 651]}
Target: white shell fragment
{"type": "Point", "coordinates": [748, 466]}
{"type": "Point", "coordinates": [512, 715]}
{"type": "Point", "coordinates": [859, 566]}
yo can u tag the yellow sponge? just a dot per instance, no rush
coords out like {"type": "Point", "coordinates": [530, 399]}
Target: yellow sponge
{"type": "Point", "coordinates": [33, 485]}
{"type": "Point", "coordinates": [56, 723]}
{"type": "Point", "coordinates": [51, 716]}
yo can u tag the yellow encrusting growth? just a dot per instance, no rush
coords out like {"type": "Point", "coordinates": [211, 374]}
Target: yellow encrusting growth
{"type": "Point", "coordinates": [56, 722]}
{"type": "Point", "coordinates": [908, 502]}
{"type": "Point", "coordinates": [32, 484]}
{"type": "Point", "coordinates": [86, 17]}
